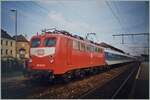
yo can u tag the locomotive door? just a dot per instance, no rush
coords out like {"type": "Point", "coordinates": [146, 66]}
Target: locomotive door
{"type": "Point", "coordinates": [69, 51]}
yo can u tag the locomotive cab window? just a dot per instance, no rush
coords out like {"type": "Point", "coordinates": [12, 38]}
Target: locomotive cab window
{"type": "Point", "coordinates": [35, 42]}
{"type": "Point", "coordinates": [50, 42]}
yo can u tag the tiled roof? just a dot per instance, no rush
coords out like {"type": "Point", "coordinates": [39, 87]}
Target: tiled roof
{"type": "Point", "coordinates": [20, 38]}
{"type": "Point", "coordinates": [4, 34]}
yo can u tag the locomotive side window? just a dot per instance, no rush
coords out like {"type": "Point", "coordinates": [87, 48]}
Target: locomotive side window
{"type": "Point", "coordinates": [79, 45]}
{"type": "Point", "coordinates": [92, 48]}
{"type": "Point", "coordinates": [35, 42]}
{"type": "Point", "coordinates": [75, 45]}
{"type": "Point", "coordinates": [88, 48]}
{"type": "Point", "coordinates": [50, 42]}
{"type": "Point", "coordinates": [82, 47]}
{"type": "Point", "coordinates": [100, 50]}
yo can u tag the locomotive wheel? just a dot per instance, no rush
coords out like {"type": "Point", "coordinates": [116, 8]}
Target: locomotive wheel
{"type": "Point", "coordinates": [95, 71]}
{"type": "Point", "coordinates": [79, 74]}
{"type": "Point", "coordinates": [67, 77]}
{"type": "Point", "coordinates": [91, 71]}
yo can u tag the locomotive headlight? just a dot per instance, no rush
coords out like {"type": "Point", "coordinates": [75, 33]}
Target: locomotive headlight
{"type": "Point", "coordinates": [52, 60]}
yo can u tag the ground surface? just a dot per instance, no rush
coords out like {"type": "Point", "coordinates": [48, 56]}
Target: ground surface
{"type": "Point", "coordinates": [140, 89]}
{"type": "Point", "coordinates": [20, 87]}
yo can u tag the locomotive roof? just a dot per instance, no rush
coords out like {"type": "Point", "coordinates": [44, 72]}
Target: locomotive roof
{"type": "Point", "coordinates": [65, 33]}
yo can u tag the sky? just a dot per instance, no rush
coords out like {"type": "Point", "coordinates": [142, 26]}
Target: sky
{"type": "Point", "coordinates": [80, 17]}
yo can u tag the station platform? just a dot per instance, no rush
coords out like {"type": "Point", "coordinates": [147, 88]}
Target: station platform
{"type": "Point", "coordinates": [140, 88]}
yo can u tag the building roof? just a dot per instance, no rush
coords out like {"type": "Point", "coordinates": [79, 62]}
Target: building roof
{"type": "Point", "coordinates": [105, 45]}
{"type": "Point", "coordinates": [4, 34]}
{"type": "Point", "coordinates": [20, 38]}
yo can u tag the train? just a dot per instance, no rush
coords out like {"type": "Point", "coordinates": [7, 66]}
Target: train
{"type": "Point", "coordinates": [59, 53]}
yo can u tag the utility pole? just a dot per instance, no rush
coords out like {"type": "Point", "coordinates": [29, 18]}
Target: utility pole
{"type": "Point", "coordinates": [15, 11]}
{"type": "Point", "coordinates": [132, 35]}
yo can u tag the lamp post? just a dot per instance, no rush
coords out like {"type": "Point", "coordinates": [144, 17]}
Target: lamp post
{"type": "Point", "coordinates": [15, 11]}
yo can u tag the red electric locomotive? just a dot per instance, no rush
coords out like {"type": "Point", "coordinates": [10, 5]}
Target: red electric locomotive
{"type": "Point", "coordinates": [60, 53]}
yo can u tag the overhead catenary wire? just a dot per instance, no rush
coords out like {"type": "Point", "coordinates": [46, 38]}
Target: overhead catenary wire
{"type": "Point", "coordinates": [121, 18]}
{"type": "Point", "coordinates": [115, 15]}
{"type": "Point", "coordinates": [27, 15]}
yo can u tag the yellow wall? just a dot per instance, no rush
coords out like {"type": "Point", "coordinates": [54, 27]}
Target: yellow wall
{"type": "Point", "coordinates": [8, 47]}
{"type": "Point", "coordinates": [24, 45]}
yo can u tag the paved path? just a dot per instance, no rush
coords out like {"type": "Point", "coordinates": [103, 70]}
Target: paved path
{"type": "Point", "coordinates": [141, 86]}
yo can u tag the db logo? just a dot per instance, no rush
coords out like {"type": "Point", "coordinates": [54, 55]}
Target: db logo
{"type": "Point", "coordinates": [40, 52]}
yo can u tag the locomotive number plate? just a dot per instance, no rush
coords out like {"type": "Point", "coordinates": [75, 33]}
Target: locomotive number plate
{"type": "Point", "coordinates": [40, 52]}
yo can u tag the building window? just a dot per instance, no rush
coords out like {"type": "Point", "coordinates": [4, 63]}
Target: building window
{"type": "Point", "coordinates": [6, 51]}
{"type": "Point", "coordinates": [1, 51]}
{"type": "Point", "coordinates": [11, 43]}
{"type": "Point", "coordinates": [6, 43]}
{"type": "Point", "coordinates": [88, 48]}
{"type": "Point", "coordinates": [95, 49]}
{"type": "Point", "coordinates": [11, 52]}
{"type": "Point", "coordinates": [1, 42]}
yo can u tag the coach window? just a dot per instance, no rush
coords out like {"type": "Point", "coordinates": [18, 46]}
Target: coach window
{"type": "Point", "coordinates": [35, 42]}
{"type": "Point", "coordinates": [75, 45]}
{"type": "Point", "coordinates": [50, 42]}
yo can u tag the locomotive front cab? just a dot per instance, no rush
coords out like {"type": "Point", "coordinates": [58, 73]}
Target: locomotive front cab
{"type": "Point", "coordinates": [42, 53]}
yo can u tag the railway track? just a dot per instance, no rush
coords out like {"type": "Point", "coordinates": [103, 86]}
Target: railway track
{"type": "Point", "coordinates": [73, 89]}
{"type": "Point", "coordinates": [119, 87]}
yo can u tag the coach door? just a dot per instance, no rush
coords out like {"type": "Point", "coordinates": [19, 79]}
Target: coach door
{"type": "Point", "coordinates": [69, 51]}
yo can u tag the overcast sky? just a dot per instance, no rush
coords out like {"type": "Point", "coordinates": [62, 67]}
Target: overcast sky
{"type": "Point", "coordinates": [80, 17]}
